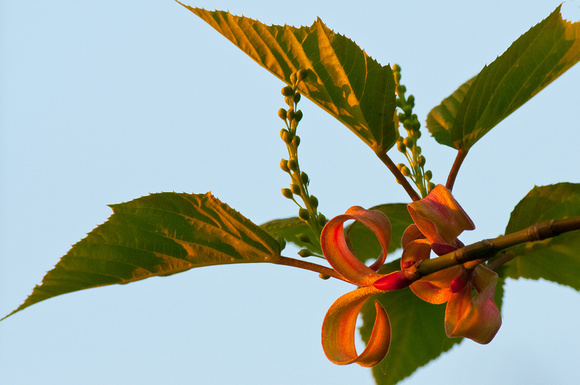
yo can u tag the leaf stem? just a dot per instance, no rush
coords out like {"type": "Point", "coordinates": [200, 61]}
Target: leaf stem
{"type": "Point", "coordinates": [489, 247]}
{"type": "Point", "coordinates": [397, 173]}
{"type": "Point", "coordinates": [461, 154]}
{"type": "Point", "coordinates": [323, 270]}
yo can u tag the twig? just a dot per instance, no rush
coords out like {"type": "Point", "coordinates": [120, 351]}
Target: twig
{"type": "Point", "coordinates": [325, 271]}
{"type": "Point", "coordinates": [400, 177]}
{"type": "Point", "coordinates": [489, 247]}
{"type": "Point", "coordinates": [461, 154]}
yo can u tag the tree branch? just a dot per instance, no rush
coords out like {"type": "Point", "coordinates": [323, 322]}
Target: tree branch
{"type": "Point", "coordinates": [489, 247]}
{"type": "Point", "coordinates": [323, 270]}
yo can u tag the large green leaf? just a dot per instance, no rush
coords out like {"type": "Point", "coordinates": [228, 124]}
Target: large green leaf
{"type": "Point", "coordinates": [363, 241]}
{"type": "Point", "coordinates": [290, 229]}
{"type": "Point", "coordinates": [532, 62]}
{"type": "Point", "coordinates": [158, 235]}
{"type": "Point", "coordinates": [418, 334]}
{"type": "Point", "coordinates": [555, 259]}
{"type": "Point", "coordinates": [343, 80]}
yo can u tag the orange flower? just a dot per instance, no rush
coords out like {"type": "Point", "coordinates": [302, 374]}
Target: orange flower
{"type": "Point", "coordinates": [339, 324]}
{"type": "Point", "coordinates": [439, 219]}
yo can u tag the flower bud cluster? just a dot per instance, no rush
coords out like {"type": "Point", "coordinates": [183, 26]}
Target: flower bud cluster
{"type": "Point", "coordinates": [408, 145]}
{"type": "Point", "coordinates": [292, 116]}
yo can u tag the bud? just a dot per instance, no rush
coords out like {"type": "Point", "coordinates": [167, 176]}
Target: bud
{"type": "Point", "coordinates": [287, 193]}
{"type": "Point", "coordinates": [305, 253]}
{"type": "Point", "coordinates": [401, 147]}
{"type": "Point", "coordinates": [397, 76]}
{"type": "Point", "coordinates": [323, 276]}
{"type": "Point", "coordinates": [303, 214]}
{"type": "Point", "coordinates": [293, 124]}
{"type": "Point", "coordinates": [289, 100]}
{"type": "Point", "coordinates": [402, 117]}
{"type": "Point", "coordinates": [322, 219]}
{"type": "Point", "coordinates": [313, 201]}
{"type": "Point", "coordinates": [295, 189]}
{"type": "Point", "coordinates": [287, 91]}
{"type": "Point", "coordinates": [285, 135]}
{"type": "Point", "coordinates": [430, 186]}
{"type": "Point", "coordinates": [302, 74]}
{"type": "Point", "coordinates": [409, 142]}
{"type": "Point", "coordinates": [411, 100]}
{"type": "Point", "coordinates": [393, 281]}
{"type": "Point", "coordinates": [298, 115]}
{"type": "Point", "coordinates": [303, 238]}
{"type": "Point", "coordinates": [396, 68]}
{"type": "Point", "coordinates": [405, 171]}
{"type": "Point", "coordinates": [282, 113]}
{"type": "Point", "coordinates": [418, 150]}
{"type": "Point", "coordinates": [290, 114]}
{"type": "Point", "coordinates": [296, 140]}
{"type": "Point", "coordinates": [296, 97]}
{"type": "Point", "coordinates": [284, 165]}
{"type": "Point", "coordinates": [400, 166]}
{"type": "Point", "coordinates": [421, 161]}
{"type": "Point", "coordinates": [428, 176]}
{"type": "Point", "coordinates": [408, 110]}
{"type": "Point", "coordinates": [293, 165]}
{"type": "Point", "coordinates": [401, 89]}
{"type": "Point", "coordinates": [304, 178]}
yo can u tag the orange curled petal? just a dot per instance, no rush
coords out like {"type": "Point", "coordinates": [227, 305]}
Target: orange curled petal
{"type": "Point", "coordinates": [338, 330]}
{"type": "Point", "coordinates": [415, 252]}
{"type": "Point", "coordinates": [411, 233]}
{"type": "Point", "coordinates": [439, 217]}
{"type": "Point", "coordinates": [340, 256]}
{"type": "Point", "coordinates": [476, 318]}
{"type": "Point", "coordinates": [434, 288]}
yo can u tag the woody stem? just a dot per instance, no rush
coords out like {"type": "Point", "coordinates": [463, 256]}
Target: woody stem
{"type": "Point", "coordinates": [308, 266]}
{"type": "Point", "coordinates": [489, 247]}
{"type": "Point", "coordinates": [461, 154]}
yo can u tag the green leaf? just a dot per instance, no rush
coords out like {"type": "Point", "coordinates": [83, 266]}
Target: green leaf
{"type": "Point", "coordinates": [157, 235]}
{"type": "Point", "coordinates": [555, 259]}
{"type": "Point", "coordinates": [441, 118]}
{"type": "Point", "coordinates": [363, 241]}
{"type": "Point", "coordinates": [343, 80]}
{"type": "Point", "coordinates": [418, 334]}
{"type": "Point", "coordinates": [532, 62]}
{"type": "Point", "coordinates": [289, 229]}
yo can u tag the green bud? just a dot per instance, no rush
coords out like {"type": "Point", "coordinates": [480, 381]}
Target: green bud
{"type": "Point", "coordinates": [303, 238]}
{"type": "Point", "coordinates": [289, 100]}
{"type": "Point", "coordinates": [304, 178]}
{"type": "Point", "coordinates": [284, 165]}
{"type": "Point", "coordinates": [293, 124]}
{"type": "Point", "coordinates": [411, 100]}
{"type": "Point", "coordinates": [409, 142]}
{"type": "Point", "coordinates": [430, 186]}
{"type": "Point", "coordinates": [421, 160]}
{"type": "Point", "coordinates": [290, 114]}
{"type": "Point", "coordinates": [285, 135]}
{"type": "Point", "coordinates": [323, 276]}
{"type": "Point", "coordinates": [418, 150]}
{"type": "Point", "coordinates": [298, 115]}
{"type": "Point", "coordinates": [401, 89]}
{"type": "Point", "coordinates": [296, 97]}
{"type": "Point", "coordinates": [293, 165]}
{"type": "Point", "coordinates": [303, 214]}
{"type": "Point", "coordinates": [282, 113]}
{"type": "Point", "coordinates": [321, 219]}
{"type": "Point", "coordinates": [400, 166]}
{"type": "Point", "coordinates": [408, 110]}
{"type": "Point", "coordinates": [313, 201]}
{"type": "Point", "coordinates": [302, 74]}
{"type": "Point", "coordinates": [397, 76]}
{"type": "Point", "coordinates": [287, 193]}
{"type": "Point", "coordinates": [402, 118]}
{"type": "Point", "coordinates": [295, 189]}
{"type": "Point", "coordinates": [405, 171]}
{"type": "Point", "coordinates": [287, 91]}
{"type": "Point", "coordinates": [296, 141]}
{"type": "Point", "coordinates": [401, 147]}
{"type": "Point", "coordinates": [428, 175]}
{"type": "Point", "coordinates": [396, 68]}
{"type": "Point", "coordinates": [305, 253]}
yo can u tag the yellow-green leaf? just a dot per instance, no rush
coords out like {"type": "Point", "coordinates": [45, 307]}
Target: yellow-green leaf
{"type": "Point", "coordinates": [157, 235]}
{"type": "Point", "coordinates": [343, 79]}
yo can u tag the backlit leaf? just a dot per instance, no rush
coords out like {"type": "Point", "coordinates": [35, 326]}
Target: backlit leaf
{"type": "Point", "coordinates": [157, 235]}
{"type": "Point", "coordinates": [532, 62]}
{"type": "Point", "coordinates": [555, 259]}
{"type": "Point", "coordinates": [343, 79]}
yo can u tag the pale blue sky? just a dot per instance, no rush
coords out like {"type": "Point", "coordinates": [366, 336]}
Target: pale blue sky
{"type": "Point", "coordinates": [103, 102]}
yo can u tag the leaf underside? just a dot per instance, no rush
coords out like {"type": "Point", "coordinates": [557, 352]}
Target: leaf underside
{"type": "Point", "coordinates": [157, 235]}
{"type": "Point", "coordinates": [555, 259]}
{"type": "Point", "coordinates": [532, 62]}
{"type": "Point", "coordinates": [343, 80]}
{"type": "Point", "coordinates": [290, 229]}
